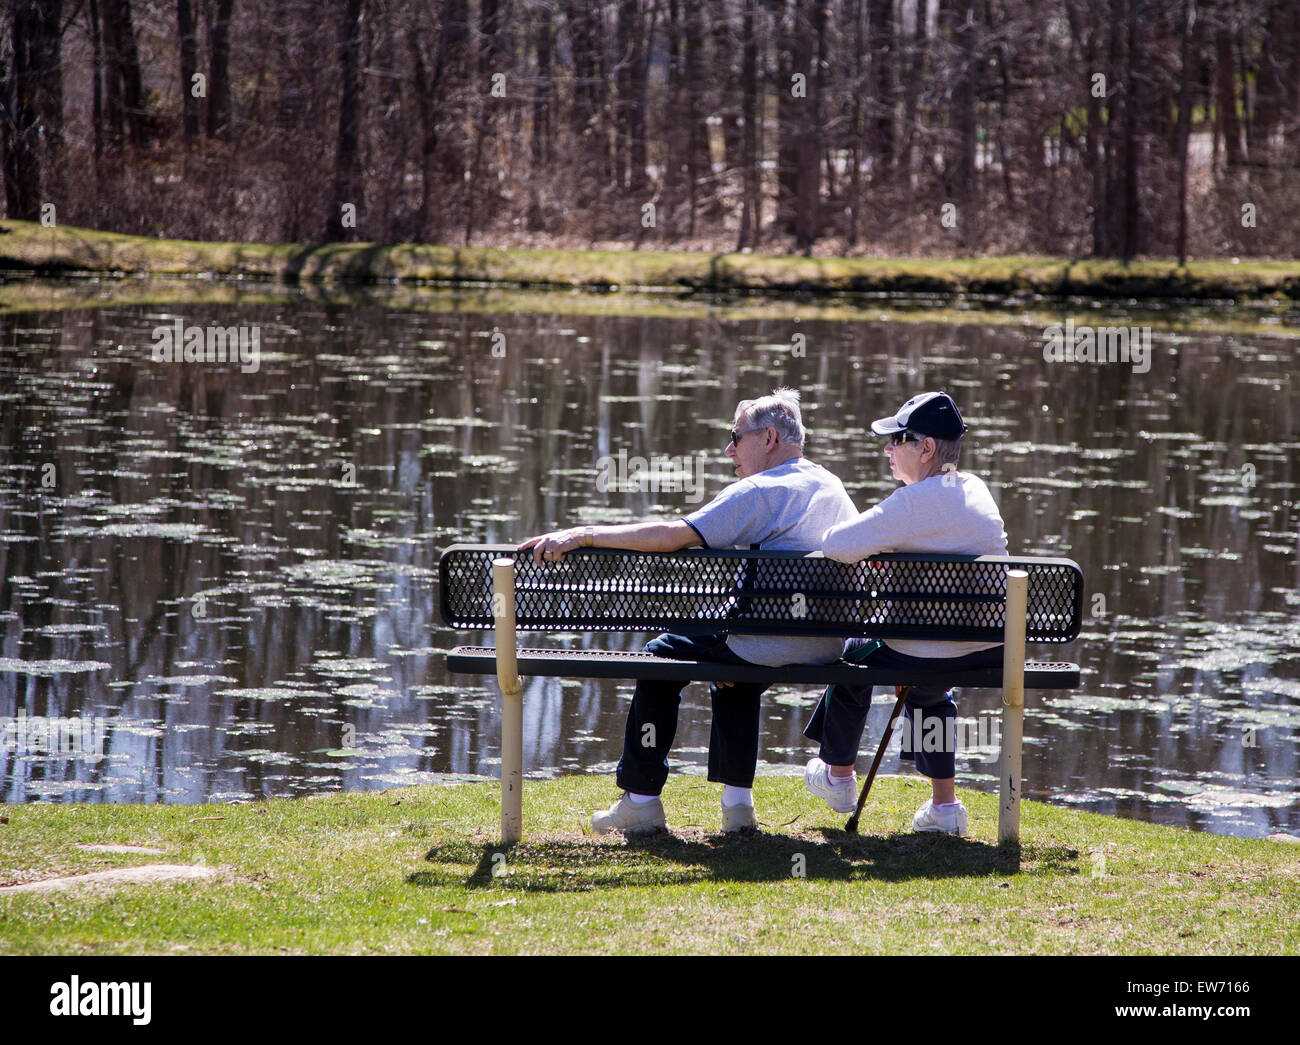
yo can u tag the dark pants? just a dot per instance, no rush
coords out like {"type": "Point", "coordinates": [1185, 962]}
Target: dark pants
{"type": "Point", "coordinates": [929, 712]}
{"type": "Point", "coordinates": [652, 720]}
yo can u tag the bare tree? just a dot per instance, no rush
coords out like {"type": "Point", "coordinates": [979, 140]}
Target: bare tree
{"type": "Point", "coordinates": [347, 160]}
{"type": "Point", "coordinates": [1225, 85]}
{"type": "Point", "coordinates": [189, 67]}
{"type": "Point", "coordinates": [810, 44]}
{"type": "Point", "coordinates": [751, 214]}
{"type": "Point", "coordinates": [31, 87]}
{"type": "Point", "coordinates": [1269, 85]}
{"type": "Point", "coordinates": [1184, 124]}
{"type": "Point", "coordinates": [881, 46]}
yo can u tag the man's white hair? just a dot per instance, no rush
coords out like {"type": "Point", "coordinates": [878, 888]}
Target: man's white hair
{"type": "Point", "coordinates": [780, 410]}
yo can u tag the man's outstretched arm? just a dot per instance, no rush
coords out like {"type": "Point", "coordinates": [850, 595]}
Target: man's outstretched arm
{"type": "Point", "coordinates": [639, 537]}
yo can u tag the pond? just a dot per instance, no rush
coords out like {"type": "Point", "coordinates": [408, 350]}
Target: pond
{"type": "Point", "coordinates": [219, 579]}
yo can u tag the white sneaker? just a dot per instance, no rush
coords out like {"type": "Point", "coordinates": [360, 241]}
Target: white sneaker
{"type": "Point", "coordinates": [631, 819]}
{"type": "Point", "coordinates": [840, 793]}
{"type": "Point", "coordinates": [949, 819]}
{"type": "Point", "coordinates": [739, 818]}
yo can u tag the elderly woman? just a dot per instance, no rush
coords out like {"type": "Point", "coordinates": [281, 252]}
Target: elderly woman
{"type": "Point", "coordinates": [938, 509]}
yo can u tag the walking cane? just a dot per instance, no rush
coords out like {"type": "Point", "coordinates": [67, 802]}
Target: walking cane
{"type": "Point", "coordinates": [852, 826]}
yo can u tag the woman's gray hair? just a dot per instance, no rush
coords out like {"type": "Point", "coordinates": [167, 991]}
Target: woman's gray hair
{"type": "Point", "coordinates": [780, 410]}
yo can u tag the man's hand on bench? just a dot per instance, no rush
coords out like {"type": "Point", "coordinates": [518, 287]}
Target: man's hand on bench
{"type": "Point", "coordinates": [552, 547]}
{"type": "Point", "coordinates": [639, 537]}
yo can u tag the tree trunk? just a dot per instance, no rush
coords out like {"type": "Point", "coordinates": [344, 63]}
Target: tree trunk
{"type": "Point", "coordinates": [21, 127]}
{"type": "Point", "coordinates": [625, 62]}
{"type": "Point", "coordinates": [644, 33]}
{"type": "Point", "coordinates": [541, 145]}
{"type": "Point", "coordinates": [1163, 28]}
{"type": "Point", "coordinates": [1119, 101]}
{"type": "Point", "coordinates": [390, 138]}
{"type": "Point", "coordinates": [855, 127]}
{"type": "Point", "coordinates": [912, 88]}
{"type": "Point", "coordinates": [1184, 126]}
{"type": "Point", "coordinates": [189, 66]}
{"type": "Point", "coordinates": [1225, 83]}
{"type": "Point", "coordinates": [1094, 157]}
{"type": "Point", "coordinates": [544, 95]}
{"type": "Point", "coordinates": [674, 145]}
{"type": "Point", "coordinates": [1269, 88]}
{"type": "Point", "coordinates": [299, 218]}
{"type": "Point", "coordinates": [46, 86]}
{"type": "Point", "coordinates": [751, 205]}
{"type": "Point", "coordinates": [124, 73]}
{"type": "Point", "coordinates": [587, 115]}
{"type": "Point", "coordinates": [450, 72]}
{"type": "Point", "coordinates": [880, 42]}
{"type": "Point", "coordinates": [347, 160]}
{"type": "Point", "coordinates": [1133, 122]}
{"type": "Point", "coordinates": [812, 42]}
{"type": "Point", "coordinates": [790, 114]}
{"type": "Point", "coordinates": [114, 115]}
{"type": "Point", "coordinates": [698, 162]}
{"type": "Point", "coordinates": [97, 86]}
{"type": "Point", "coordinates": [219, 73]}
{"type": "Point", "coordinates": [965, 85]}
{"type": "Point", "coordinates": [1288, 59]}
{"type": "Point", "coordinates": [488, 49]}
{"type": "Point", "coordinates": [424, 95]}
{"type": "Point", "coordinates": [726, 76]}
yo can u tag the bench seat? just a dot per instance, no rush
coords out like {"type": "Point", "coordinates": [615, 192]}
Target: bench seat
{"type": "Point", "coordinates": [601, 664]}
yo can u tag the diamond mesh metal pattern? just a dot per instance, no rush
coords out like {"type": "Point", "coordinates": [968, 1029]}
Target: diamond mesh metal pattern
{"type": "Point", "coordinates": [698, 591]}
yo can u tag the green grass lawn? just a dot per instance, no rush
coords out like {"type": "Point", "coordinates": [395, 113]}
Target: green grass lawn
{"type": "Point", "coordinates": [417, 870]}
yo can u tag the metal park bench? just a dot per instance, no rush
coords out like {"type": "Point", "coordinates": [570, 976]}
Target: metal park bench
{"type": "Point", "coordinates": [702, 591]}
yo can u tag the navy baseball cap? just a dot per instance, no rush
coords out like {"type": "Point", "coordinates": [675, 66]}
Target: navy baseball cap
{"type": "Point", "coordinates": [930, 413]}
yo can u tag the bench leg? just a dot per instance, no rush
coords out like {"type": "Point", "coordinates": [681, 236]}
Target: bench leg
{"type": "Point", "coordinates": [512, 702]}
{"type": "Point", "coordinates": [512, 766]}
{"type": "Point", "coordinates": [1013, 706]}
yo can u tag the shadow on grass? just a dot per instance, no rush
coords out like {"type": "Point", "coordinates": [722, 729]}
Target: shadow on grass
{"type": "Point", "coordinates": [581, 865]}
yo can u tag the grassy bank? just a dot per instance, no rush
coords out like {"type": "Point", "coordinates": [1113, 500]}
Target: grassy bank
{"type": "Point", "coordinates": [36, 294]}
{"type": "Point", "coordinates": [26, 295]}
{"type": "Point", "coordinates": [63, 250]}
{"type": "Point", "coordinates": [416, 870]}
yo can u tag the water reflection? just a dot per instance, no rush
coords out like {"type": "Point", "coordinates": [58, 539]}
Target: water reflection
{"type": "Point", "coordinates": [236, 572]}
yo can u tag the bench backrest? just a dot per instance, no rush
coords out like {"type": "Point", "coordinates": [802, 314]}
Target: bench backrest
{"type": "Point", "coordinates": [698, 591]}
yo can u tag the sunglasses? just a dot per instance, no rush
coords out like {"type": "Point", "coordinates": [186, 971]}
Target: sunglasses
{"type": "Point", "coordinates": [903, 437]}
{"type": "Point", "coordinates": [737, 436]}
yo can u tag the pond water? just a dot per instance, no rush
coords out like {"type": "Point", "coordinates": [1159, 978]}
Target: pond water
{"type": "Point", "coordinates": [220, 585]}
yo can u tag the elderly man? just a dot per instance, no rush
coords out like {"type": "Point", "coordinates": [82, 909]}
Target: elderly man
{"type": "Point", "coordinates": [780, 501]}
{"type": "Point", "coordinates": [938, 509]}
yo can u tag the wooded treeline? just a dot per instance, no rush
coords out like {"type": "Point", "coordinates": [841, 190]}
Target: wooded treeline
{"type": "Point", "coordinates": [1107, 127]}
